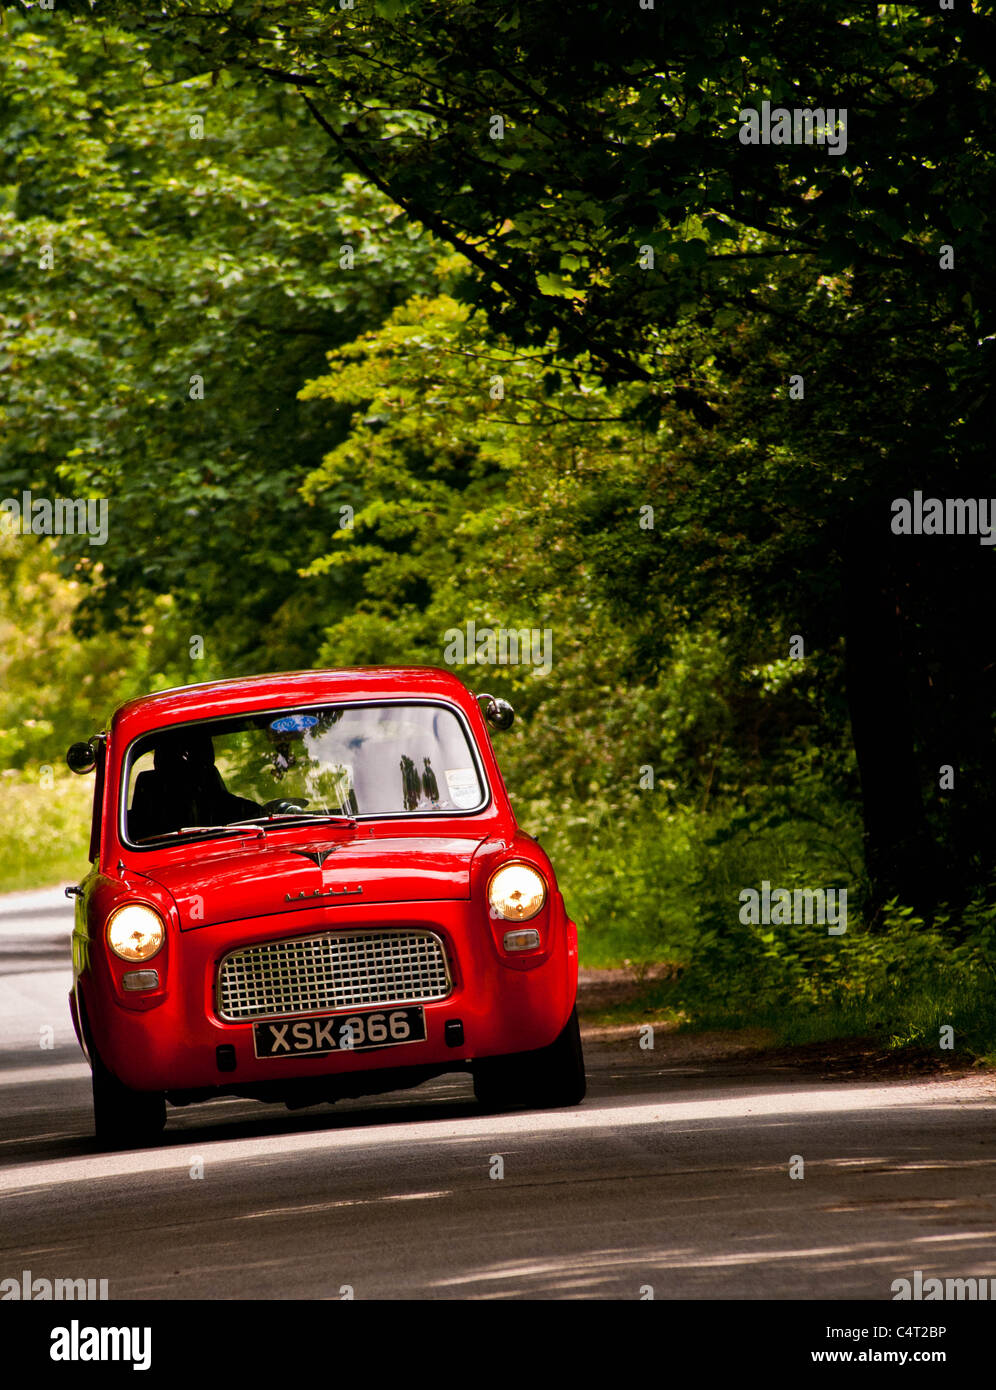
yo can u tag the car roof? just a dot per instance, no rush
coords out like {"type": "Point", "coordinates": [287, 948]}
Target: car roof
{"type": "Point", "coordinates": [247, 693]}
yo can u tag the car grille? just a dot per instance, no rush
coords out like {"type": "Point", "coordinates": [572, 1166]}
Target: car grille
{"type": "Point", "coordinates": [306, 974]}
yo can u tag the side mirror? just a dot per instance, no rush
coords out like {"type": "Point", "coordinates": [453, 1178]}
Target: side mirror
{"type": "Point", "coordinates": [82, 757]}
{"type": "Point", "coordinates": [499, 713]}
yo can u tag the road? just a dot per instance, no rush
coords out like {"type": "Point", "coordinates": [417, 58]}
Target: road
{"type": "Point", "coordinates": [672, 1177]}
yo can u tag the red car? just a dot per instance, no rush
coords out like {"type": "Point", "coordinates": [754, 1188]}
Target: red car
{"type": "Point", "coordinates": [311, 885]}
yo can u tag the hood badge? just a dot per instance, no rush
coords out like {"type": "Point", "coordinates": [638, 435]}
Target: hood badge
{"type": "Point", "coordinates": [320, 893]}
{"type": "Point", "coordinates": [317, 856]}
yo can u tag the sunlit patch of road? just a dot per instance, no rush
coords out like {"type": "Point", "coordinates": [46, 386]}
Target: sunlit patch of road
{"type": "Point", "coordinates": [671, 1177]}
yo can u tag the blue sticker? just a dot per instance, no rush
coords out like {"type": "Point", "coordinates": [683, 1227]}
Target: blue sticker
{"type": "Point", "coordinates": [294, 723]}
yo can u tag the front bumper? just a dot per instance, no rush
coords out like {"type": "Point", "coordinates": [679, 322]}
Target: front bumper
{"type": "Point", "coordinates": [170, 1044]}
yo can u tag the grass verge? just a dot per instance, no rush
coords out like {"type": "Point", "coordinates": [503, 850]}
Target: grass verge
{"type": "Point", "coordinates": [957, 1024]}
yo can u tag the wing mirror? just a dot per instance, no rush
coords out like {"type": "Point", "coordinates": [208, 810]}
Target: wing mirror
{"type": "Point", "coordinates": [82, 757]}
{"type": "Point", "coordinates": [499, 713]}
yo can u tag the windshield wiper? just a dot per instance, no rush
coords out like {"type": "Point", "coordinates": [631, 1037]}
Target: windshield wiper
{"type": "Point", "coordinates": [300, 816]}
{"type": "Point", "coordinates": [240, 827]}
{"type": "Point", "coordinates": [233, 827]}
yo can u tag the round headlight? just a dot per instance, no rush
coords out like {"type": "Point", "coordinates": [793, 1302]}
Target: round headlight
{"type": "Point", "coordinates": [517, 892]}
{"type": "Point", "coordinates": [135, 932]}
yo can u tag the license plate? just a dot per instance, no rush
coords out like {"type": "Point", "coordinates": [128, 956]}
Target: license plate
{"type": "Point", "coordinates": [359, 1032]}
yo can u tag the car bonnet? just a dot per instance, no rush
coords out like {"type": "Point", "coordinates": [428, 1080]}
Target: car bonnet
{"type": "Point", "coordinates": [234, 883]}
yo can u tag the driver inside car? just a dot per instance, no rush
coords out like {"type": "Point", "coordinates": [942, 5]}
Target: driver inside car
{"type": "Point", "coordinates": [184, 789]}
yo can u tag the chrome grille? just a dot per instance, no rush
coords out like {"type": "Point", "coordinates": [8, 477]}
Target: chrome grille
{"type": "Point", "coordinates": [334, 970]}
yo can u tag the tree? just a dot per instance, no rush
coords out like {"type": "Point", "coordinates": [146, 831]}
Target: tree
{"type": "Point", "coordinates": [203, 252]}
{"type": "Point", "coordinates": [558, 158]}
{"type": "Point", "coordinates": [549, 152]}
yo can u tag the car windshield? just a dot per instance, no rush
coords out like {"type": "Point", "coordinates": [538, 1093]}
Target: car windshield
{"type": "Point", "coordinates": [328, 760]}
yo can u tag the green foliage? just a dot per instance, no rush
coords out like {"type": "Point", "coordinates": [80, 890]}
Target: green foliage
{"type": "Point", "coordinates": [56, 687]}
{"type": "Point", "coordinates": [177, 258]}
{"type": "Point", "coordinates": [44, 828]}
{"type": "Point", "coordinates": [662, 882]}
{"type": "Point", "coordinates": [620, 129]}
{"type": "Point", "coordinates": [664, 888]}
{"type": "Point", "coordinates": [631, 886]}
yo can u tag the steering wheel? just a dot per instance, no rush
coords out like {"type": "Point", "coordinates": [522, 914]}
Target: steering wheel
{"type": "Point", "coordinates": [283, 805]}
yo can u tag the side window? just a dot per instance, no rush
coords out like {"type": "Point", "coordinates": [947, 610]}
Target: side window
{"type": "Point", "coordinates": [98, 800]}
{"type": "Point", "coordinates": [143, 763]}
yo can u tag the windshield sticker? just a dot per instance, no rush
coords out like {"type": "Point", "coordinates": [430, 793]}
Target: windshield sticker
{"type": "Point", "coordinates": [294, 723]}
{"type": "Point", "coordinates": [331, 784]}
{"type": "Point", "coordinates": [464, 787]}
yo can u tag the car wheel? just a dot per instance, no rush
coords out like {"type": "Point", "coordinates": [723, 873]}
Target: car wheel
{"type": "Point", "coordinates": [124, 1118]}
{"type": "Point", "coordinates": [550, 1077]}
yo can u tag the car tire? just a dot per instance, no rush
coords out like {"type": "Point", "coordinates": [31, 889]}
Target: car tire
{"type": "Point", "coordinates": [123, 1118]}
{"type": "Point", "coordinates": [548, 1078]}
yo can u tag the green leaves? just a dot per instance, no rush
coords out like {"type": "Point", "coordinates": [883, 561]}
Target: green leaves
{"type": "Point", "coordinates": [591, 144]}
{"type": "Point", "coordinates": [195, 283]}
{"type": "Point", "coordinates": [557, 286]}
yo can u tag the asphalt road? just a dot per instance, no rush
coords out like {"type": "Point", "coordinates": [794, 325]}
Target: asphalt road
{"type": "Point", "coordinates": [672, 1177]}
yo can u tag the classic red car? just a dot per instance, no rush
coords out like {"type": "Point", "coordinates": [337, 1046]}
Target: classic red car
{"type": "Point", "coordinates": [311, 885]}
